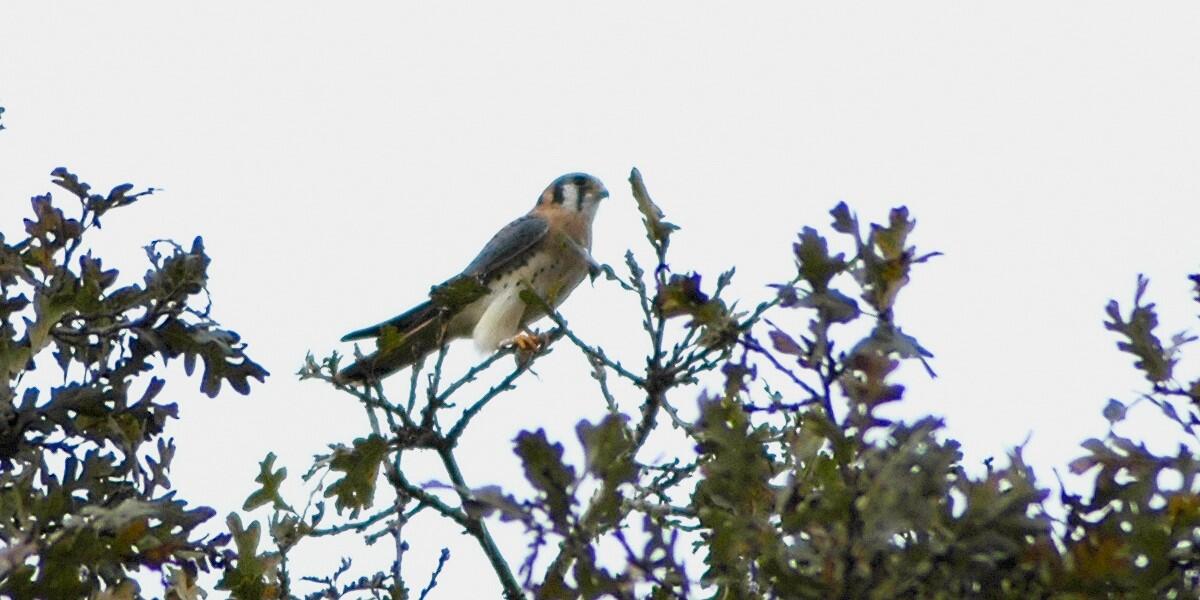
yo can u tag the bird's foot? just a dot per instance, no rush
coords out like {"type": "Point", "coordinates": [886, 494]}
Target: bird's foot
{"type": "Point", "coordinates": [525, 341]}
{"type": "Point", "coordinates": [526, 344]}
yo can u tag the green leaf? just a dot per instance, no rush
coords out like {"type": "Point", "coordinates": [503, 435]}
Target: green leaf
{"type": "Point", "coordinates": [734, 500]}
{"type": "Point", "coordinates": [608, 447]}
{"type": "Point", "coordinates": [890, 240]}
{"type": "Point", "coordinates": [888, 339]}
{"type": "Point", "coordinates": [269, 492]}
{"type": "Point", "coordinates": [865, 383]}
{"type": "Point", "coordinates": [1152, 359]}
{"type": "Point", "coordinates": [545, 469]}
{"type": "Point", "coordinates": [360, 464]}
{"type": "Point", "coordinates": [831, 305]}
{"type": "Point", "coordinates": [657, 229]}
{"type": "Point", "coordinates": [70, 182]}
{"type": "Point", "coordinates": [784, 343]}
{"type": "Point", "coordinates": [250, 575]}
{"type": "Point", "coordinates": [817, 267]}
{"type": "Point", "coordinates": [492, 498]}
{"type": "Point", "coordinates": [844, 221]}
{"type": "Point", "coordinates": [681, 296]}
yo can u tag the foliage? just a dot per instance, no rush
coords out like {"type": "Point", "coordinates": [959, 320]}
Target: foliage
{"type": "Point", "coordinates": [85, 499]}
{"type": "Point", "coordinates": [794, 481]}
{"type": "Point", "coordinates": [799, 489]}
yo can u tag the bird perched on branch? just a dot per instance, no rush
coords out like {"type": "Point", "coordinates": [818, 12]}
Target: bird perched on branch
{"type": "Point", "coordinates": [547, 251]}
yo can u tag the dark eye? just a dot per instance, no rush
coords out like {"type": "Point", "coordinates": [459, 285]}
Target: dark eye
{"type": "Point", "coordinates": [579, 180]}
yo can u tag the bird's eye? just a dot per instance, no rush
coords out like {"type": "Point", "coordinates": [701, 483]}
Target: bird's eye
{"type": "Point", "coordinates": [579, 180]}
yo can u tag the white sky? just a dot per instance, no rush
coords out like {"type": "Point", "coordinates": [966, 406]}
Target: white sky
{"type": "Point", "coordinates": [338, 159]}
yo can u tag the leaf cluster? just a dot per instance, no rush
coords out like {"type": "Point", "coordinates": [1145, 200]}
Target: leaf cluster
{"type": "Point", "coordinates": [85, 499]}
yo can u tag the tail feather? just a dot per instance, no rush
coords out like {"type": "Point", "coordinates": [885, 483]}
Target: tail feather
{"type": "Point", "coordinates": [422, 331]}
{"type": "Point", "coordinates": [414, 316]}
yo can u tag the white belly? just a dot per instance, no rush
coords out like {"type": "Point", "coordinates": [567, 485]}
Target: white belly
{"type": "Point", "coordinates": [501, 314]}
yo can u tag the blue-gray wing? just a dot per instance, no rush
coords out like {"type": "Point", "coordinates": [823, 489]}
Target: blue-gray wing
{"type": "Point", "coordinates": [508, 248]}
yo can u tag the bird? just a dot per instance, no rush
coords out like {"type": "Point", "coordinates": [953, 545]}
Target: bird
{"type": "Point", "coordinates": [546, 251]}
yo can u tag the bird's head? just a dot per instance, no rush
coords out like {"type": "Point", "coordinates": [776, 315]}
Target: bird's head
{"type": "Point", "coordinates": [577, 192]}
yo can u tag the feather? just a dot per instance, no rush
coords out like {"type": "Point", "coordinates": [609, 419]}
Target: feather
{"type": "Point", "coordinates": [421, 331]}
{"type": "Point", "coordinates": [415, 315]}
{"type": "Point", "coordinates": [500, 321]}
{"type": "Point", "coordinates": [508, 245]}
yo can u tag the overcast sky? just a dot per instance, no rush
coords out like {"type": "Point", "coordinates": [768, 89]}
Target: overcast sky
{"type": "Point", "coordinates": [339, 158]}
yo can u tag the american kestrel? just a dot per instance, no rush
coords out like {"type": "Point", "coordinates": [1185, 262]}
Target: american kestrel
{"type": "Point", "coordinates": [546, 251]}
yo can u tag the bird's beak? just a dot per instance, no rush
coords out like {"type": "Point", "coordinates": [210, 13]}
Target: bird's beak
{"type": "Point", "coordinates": [603, 193]}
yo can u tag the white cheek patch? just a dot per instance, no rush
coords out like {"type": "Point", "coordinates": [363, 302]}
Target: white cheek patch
{"type": "Point", "coordinates": [570, 196]}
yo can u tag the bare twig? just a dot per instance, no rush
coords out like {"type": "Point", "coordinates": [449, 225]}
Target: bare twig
{"type": "Point", "coordinates": [473, 372]}
{"type": "Point", "coordinates": [469, 413]}
{"type": "Point", "coordinates": [445, 556]}
{"type": "Point", "coordinates": [356, 526]}
{"type": "Point", "coordinates": [594, 353]}
{"type": "Point", "coordinates": [476, 527]}
{"type": "Point", "coordinates": [401, 546]}
{"type": "Point", "coordinates": [747, 341]}
{"type": "Point", "coordinates": [600, 374]}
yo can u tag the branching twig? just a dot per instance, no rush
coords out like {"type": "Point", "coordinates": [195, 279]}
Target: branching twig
{"type": "Point", "coordinates": [473, 372]}
{"type": "Point", "coordinates": [593, 353]}
{"type": "Point", "coordinates": [747, 341]}
{"type": "Point", "coordinates": [356, 526]}
{"type": "Point", "coordinates": [600, 374]}
{"type": "Point", "coordinates": [469, 413]}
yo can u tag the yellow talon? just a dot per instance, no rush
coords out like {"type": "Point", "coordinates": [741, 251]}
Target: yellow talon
{"type": "Point", "coordinates": [527, 343]}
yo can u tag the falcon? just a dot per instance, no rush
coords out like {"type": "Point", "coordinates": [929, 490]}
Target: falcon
{"type": "Point", "coordinates": [546, 251]}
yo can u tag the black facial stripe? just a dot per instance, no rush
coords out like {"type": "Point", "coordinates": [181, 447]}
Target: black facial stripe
{"type": "Point", "coordinates": [558, 194]}
{"type": "Point", "coordinates": [581, 185]}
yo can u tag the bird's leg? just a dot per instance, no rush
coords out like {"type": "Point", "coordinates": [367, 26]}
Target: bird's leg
{"type": "Point", "coordinates": [526, 342]}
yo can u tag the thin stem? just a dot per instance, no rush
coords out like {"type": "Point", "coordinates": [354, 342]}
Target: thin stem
{"type": "Point", "coordinates": [477, 528]}
{"type": "Point", "coordinates": [600, 374]}
{"type": "Point", "coordinates": [397, 567]}
{"type": "Point", "coordinates": [472, 373]}
{"type": "Point", "coordinates": [675, 418]}
{"type": "Point", "coordinates": [445, 556]}
{"type": "Point", "coordinates": [399, 482]}
{"type": "Point", "coordinates": [75, 243]}
{"type": "Point", "coordinates": [412, 385]}
{"type": "Point", "coordinates": [748, 342]}
{"type": "Point", "coordinates": [593, 353]}
{"type": "Point", "coordinates": [433, 401]}
{"type": "Point", "coordinates": [827, 398]}
{"type": "Point", "coordinates": [356, 526]}
{"type": "Point", "coordinates": [763, 307]}
{"type": "Point", "coordinates": [506, 384]}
